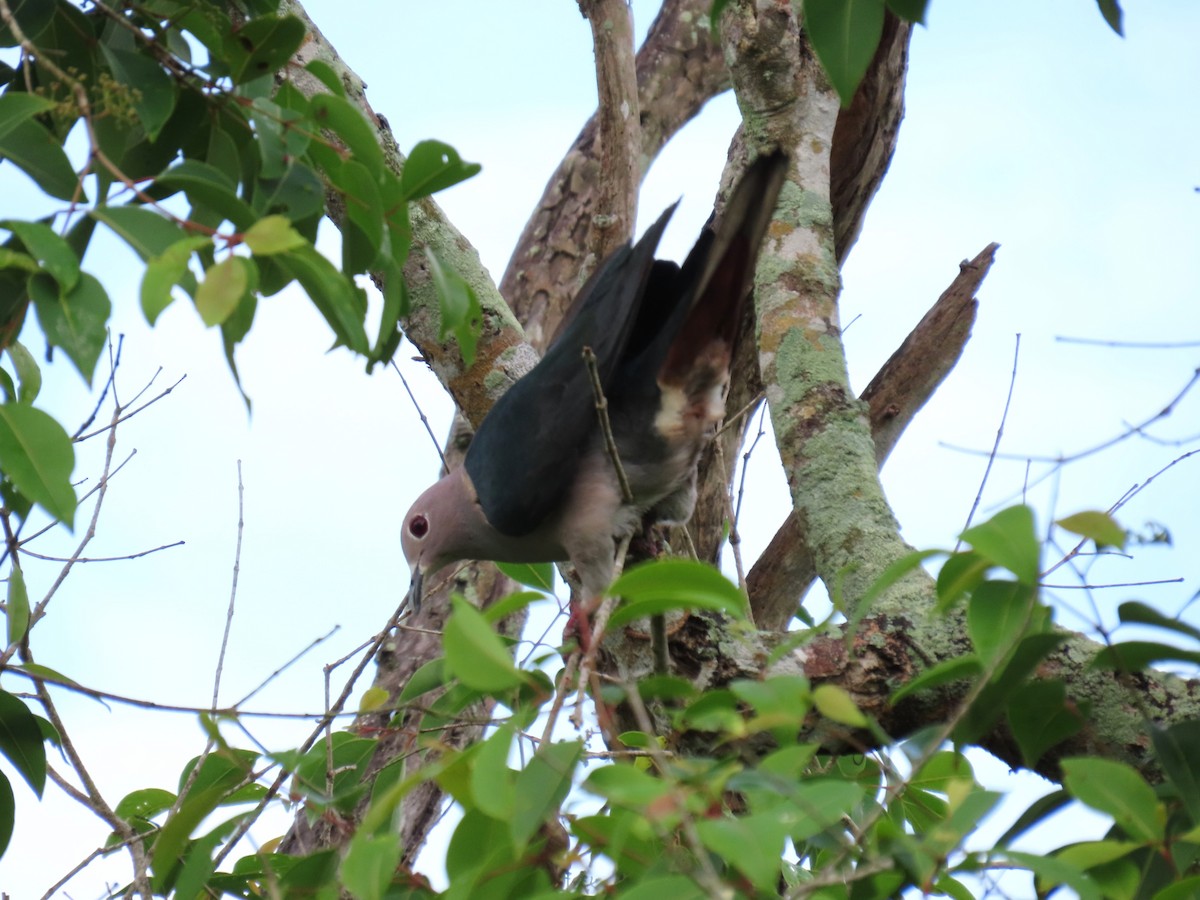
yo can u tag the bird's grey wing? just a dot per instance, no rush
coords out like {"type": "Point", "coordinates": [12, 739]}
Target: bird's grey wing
{"type": "Point", "coordinates": [526, 453]}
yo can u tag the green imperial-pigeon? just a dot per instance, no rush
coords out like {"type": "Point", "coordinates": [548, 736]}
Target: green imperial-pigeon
{"type": "Point", "coordinates": [538, 484]}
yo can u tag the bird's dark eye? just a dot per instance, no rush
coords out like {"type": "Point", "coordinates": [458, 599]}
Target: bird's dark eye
{"type": "Point", "coordinates": [418, 526]}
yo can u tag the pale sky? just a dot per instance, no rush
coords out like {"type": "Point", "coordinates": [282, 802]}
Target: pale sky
{"type": "Point", "coordinates": [1027, 123]}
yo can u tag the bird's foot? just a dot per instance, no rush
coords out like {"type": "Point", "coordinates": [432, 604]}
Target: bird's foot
{"type": "Point", "coordinates": [579, 626]}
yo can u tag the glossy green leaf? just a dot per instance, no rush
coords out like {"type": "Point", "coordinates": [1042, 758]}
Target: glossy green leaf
{"type": "Point", "coordinates": [892, 574]}
{"type": "Point", "coordinates": [1178, 752]}
{"type": "Point", "coordinates": [364, 203]}
{"type": "Point", "coordinates": [348, 123]}
{"type": "Point", "coordinates": [1009, 539]}
{"type": "Point", "coordinates": [1184, 889]}
{"type": "Point", "coordinates": [370, 865]}
{"type": "Point", "coordinates": [817, 805]}
{"type": "Point", "coordinates": [1111, 10]}
{"type": "Point", "coordinates": [626, 785]}
{"type": "Point", "coordinates": [539, 576]}
{"type": "Point", "coordinates": [433, 166]}
{"type": "Point", "coordinates": [542, 786]}
{"type": "Point", "coordinates": [29, 375]}
{"type": "Point", "coordinates": [427, 678]}
{"type": "Point", "coordinates": [76, 321]}
{"type": "Point", "coordinates": [32, 149]}
{"type": "Point", "coordinates": [665, 887]}
{"type": "Point", "coordinates": [1133, 656]}
{"type": "Point", "coordinates": [395, 305]}
{"type": "Point", "coordinates": [752, 844]}
{"type": "Point", "coordinates": [1051, 871]}
{"type": "Point", "coordinates": [674, 584]}
{"type": "Point", "coordinates": [273, 234]}
{"type": "Point", "coordinates": [144, 804]}
{"type": "Point", "coordinates": [1134, 611]}
{"type": "Point", "coordinates": [283, 135]}
{"type": "Point", "coordinates": [207, 186]}
{"type": "Point", "coordinates": [945, 672]}
{"type": "Point", "coordinates": [997, 615]}
{"type": "Point", "coordinates": [339, 301]}
{"type": "Point", "coordinates": [264, 45]}
{"type": "Point", "coordinates": [36, 453]}
{"type": "Point", "coordinates": [148, 233]}
{"type": "Point", "coordinates": [164, 272]}
{"type": "Point", "coordinates": [1097, 526]}
{"type": "Point", "coordinates": [1040, 718]}
{"type": "Point", "coordinates": [155, 93]}
{"type": "Point", "coordinates": [910, 10]}
{"type": "Point", "coordinates": [460, 309]}
{"type": "Point", "coordinates": [844, 34]}
{"type": "Point", "coordinates": [8, 812]}
{"type": "Point", "coordinates": [1089, 854]}
{"type": "Point", "coordinates": [12, 259]}
{"type": "Point", "coordinates": [17, 610]}
{"type": "Point", "coordinates": [54, 253]}
{"type": "Point", "coordinates": [218, 295]}
{"type": "Point", "coordinates": [1037, 812]}
{"type": "Point", "coordinates": [474, 652]}
{"type": "Point", "coordinates": [33, 17]}
{"type": "Point", "coordinates": [172, 838]}
{"type": "Point", "coordinates": [1117, 789]}
{"type": "Point", "coordinates": [506, 606]}
{"type": "Point", "coordinates": [7, 387]}
{"type": "Point", "coordinates": [298, 194]}
{"type": "Point", "coordinates": [327, 76]}
{"type": "Point", "coordinates": [21, 741]}
{"type": "Point", "coordinates": [995, 697]}
{"type": "Point", "coordinates": [18, 107]}
{"type": "Point", "coordinates": [835, 703]}
{"type": "Point", "coordinates": [493, 783]}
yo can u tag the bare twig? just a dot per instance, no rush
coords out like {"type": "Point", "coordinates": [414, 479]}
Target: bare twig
{"type": "Point", "coordinates": [237, 566]}
{"type": "Point", "coordinates": [117, 420]}
{"type": "Point", "coordinates": [316, 642]}
{"type": "Point", "coordinates": [610, 443]}
{"type": "Point", "coordinates": [95, 559]}
{"type": "Point", "coordinates": [1012, 382]}
{"type": "Point", "coordinates": [424, 420]}
{"type": "Point", "coordinates": [1131, 345]}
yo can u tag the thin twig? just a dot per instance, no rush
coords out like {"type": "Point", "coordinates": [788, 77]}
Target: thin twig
{"type": "Point", "coordinates": [95, 559]}
{"type": "Point", "coordinates": [237, 566]}
{"type": "Point", "coordinates": [996, 445]}
{"type": "Point", "coordinates": [1132, 345]}
{"type": "Point", "coordinates": [119, 419]}
{"type": "Point", "coordinates": [610, 443]}
{"type": "Point", "coordinates": [316, 642]}
{"type": "Point", "coordinates": [437, 445]}
{"type": "Point", "coordinates": [114, 360]}
{"type": "Point", "coordinates": [1122, 584]}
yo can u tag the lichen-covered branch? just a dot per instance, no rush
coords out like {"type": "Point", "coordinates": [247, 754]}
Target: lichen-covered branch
{"type": "Point", "coordinates": [784, 571]}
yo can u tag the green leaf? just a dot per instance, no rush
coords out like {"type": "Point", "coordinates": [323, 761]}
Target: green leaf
{"type": "Point", "coordinates": [18, 107]}
{"type": "Point", "coordinates": [165, 271]}
{"type": "Point", "coordinates": [1133, 611]}
{"type": "Point", "coordinates": [1117, 789]}
{"type": "Point", "coordinates": [298, 194]}
{"type": "Point", "coordinates": [144, 804]}
{"type": "Point", "coordinates": [54, 253]}
{"type": "Point", "coordinates": [752, 844]}
{"type": "Point", "coordinates": [148, 233]}
{"type": "Point", "coordinates": [1097, 526]}
{"type": "Point", "coordinates": [21, 741]}
{"type": "Point", "coordinates": [29, 376]}
{"type": "Point", "coordinates": [668, 584]}
{"type": "Point", "coordinates": [461, 312]}
{"type": "Point", "coordinates": [509, 605]}
{"type": "Point", "coordinates": [474, 652]}
{"type": "Point", "coordinates": [208, 187]}
{"type": "Point", "coordinates": [674, 887]}
{"type": "Point", "coordinates": [539, 576]}
{"type": "Point", "coordinates": [154, 96]}
{"type": "Point", "coordinates": [998, 614]}
{"type": "Point", "coordinates": [1037, 812]}
{"type": "Point", "coordinates": [493, 783]}
{"type": "Point", "coordinates": [1089, 854]}
{"type": "Point", "coordinates": [429, 677]}
{"type": "Point", "coordinates": [364, 207]}
{"type": "Point", "coordinates": [625, 785]}
{"type": "Point", "coordinates": [1051, 871]}
{"type": "Point", "coordinates": [1133, 656]}
{"type": "Point", "coordinates": [835, 703]}
{"type": "Point", "coordinates": [172, 838]}
{"type": "Point", "coordinates": [36, 453]}
{"type": "Point", "coordinates": [263, 46]}
{"type": "Point", "coordinates": [223, 287]}
{"type": "Point", "coordinates": [8, 812]}
{"type": "Point", "coordinates": [76, 321]}
{"type": "Point", "coordinates": [348, 123]}
{"type": "Point", "coordinates": [1008, 539]}
{"type": "Point", "coordinates": [33, 16]}
{"type": "Point", "coordinates": [433, 166]}
{"type": "Point", "coordinates": [945, 672]}
{"type": "Point", "coordinates": [1178, 751]}
{"type": "Point", "coordinates": [327, 76]}
{"type": "Point", "coordinates": [273, 234]}
{"type": "Point", "coordinates": [1186, 889]}
{"type": "Point", "coordinates": [542, 786]}
{"type": "Point", "coordinates": [1111, 10]}
{"type": "Point", "coordinates": [338, 300]}
{"type": "Point", "coordinates": [18, 606]}
{"type": "Point", "coordinates": [845, 35]}
{"type": "Point", "coordinates": [32, 149]}
{"type": "Point", "coordinates": [910, 10]}
{"type": "Point", "coordinates": [1041, 718]}
{"type": "Point", "coordinates": [370, 865]}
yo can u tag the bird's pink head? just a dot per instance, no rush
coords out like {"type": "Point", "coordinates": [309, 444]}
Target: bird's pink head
{"type": "Point", "coordinates": [438, 529]}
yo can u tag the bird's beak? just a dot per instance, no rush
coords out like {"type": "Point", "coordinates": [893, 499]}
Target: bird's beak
{"type": "Point", "coordinates": [414, 590]}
